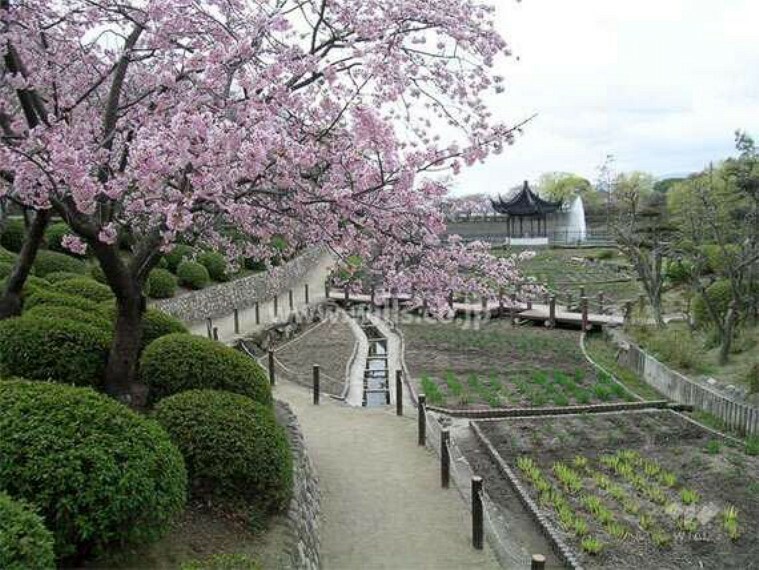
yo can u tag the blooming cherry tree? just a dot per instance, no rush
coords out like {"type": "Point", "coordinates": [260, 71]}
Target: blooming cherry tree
{"type": "Point", "coordinates": [236, 123]}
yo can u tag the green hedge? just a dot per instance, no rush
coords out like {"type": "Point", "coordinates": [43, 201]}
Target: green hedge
{"type": "Point", "coordinates": [58, 276]}
{"type": "Point", "coordinates": [97, 273]}
{"type": "Point", "coordinates": [193, 275]}
{"type": "Point", "coordinates": [13, 234]}
{"type": "Point", "coordinates": [5, 269]}
{"type": "Point", "coordinates": [233, 446]}
{"type": "Point", "coordinates": [95, 319]}
{"type": "Point", "coordinates": [720, 294]}
{"type": "Point", "coordinates": [180, 362]}
{"type": "Point", "coordinates": [177, 255]}
{"type": "Point", "coordinates": [53, 262]}
{"type": "Point", "coordinates": [7, 256]}
{"type": "Point", "coordinates": [64, 351]}
{"type": "Point", "coordinates": [32, 286]}
{"type": "Point", "coordinates": [161, 284]}
{"type": "Point", "coordinates": [216, 264]}
{"type": "Point", "coordinates": [47, 297]}
{"type": "Point", "coordinates": [85, 287]}
{"type": "Point", "coordinates": [155, 323]}
{"type": "Point", "coordinates": [25, 543]}
{"type": "Point", "coordinates": [100, 474]}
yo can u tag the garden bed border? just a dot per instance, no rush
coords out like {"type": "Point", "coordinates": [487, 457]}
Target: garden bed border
{"type": "Point", "coordinates": [499, 413]}
{"type": "Point", "coordinates": [565, 553]}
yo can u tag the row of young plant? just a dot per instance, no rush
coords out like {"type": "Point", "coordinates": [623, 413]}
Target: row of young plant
{"type": "Point", "coordinates": [84, 476]}
{"type": "Point", "coordinates": [624, 482]}
{"type": "Point", "coordinates": [539, 388]}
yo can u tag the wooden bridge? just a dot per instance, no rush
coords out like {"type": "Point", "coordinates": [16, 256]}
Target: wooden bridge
{"type": "Point", "coordinates": [551, 314]}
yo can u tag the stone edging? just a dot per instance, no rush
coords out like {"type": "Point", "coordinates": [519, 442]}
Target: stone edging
{"type": "Point", "coordinates": [602, 369]}
{"type": "Point", "coordinates": [305, 505]}
{"type": "Point", "coordinates": [222, 299]}
{"type": "Point", "coordinates": [496, 413]}
{"type": "Point", "coordinates": [562, 550]}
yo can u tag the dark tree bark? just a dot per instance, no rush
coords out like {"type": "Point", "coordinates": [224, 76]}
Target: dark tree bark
{"type": "Point", "coordinates": [10, 304]}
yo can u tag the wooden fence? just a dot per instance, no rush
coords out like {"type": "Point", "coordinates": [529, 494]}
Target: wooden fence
{"type": "Point", "coordinates": [738, 416]}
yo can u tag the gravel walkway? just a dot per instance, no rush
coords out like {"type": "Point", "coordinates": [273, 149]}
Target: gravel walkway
{"type": "Point", "coordinates": [382, 503]}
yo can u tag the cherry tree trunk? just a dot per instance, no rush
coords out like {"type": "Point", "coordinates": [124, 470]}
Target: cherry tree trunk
{"type": "Point", "coordinates": [10, 304]}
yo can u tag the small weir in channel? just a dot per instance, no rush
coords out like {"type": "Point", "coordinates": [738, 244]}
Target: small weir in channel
{"type": "Point", "coordinates": [376, 374]}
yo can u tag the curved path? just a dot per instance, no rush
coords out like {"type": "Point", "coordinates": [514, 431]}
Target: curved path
{"type": "Point", "coordinates": [382, 505]}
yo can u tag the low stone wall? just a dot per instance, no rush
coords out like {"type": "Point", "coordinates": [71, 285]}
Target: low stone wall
{"type": "Point", "coordinates": [255, 302]}
{"type": "Point", "coordinates": [737, 415]}
{"type": "Point", "coordinates": [305, 504]}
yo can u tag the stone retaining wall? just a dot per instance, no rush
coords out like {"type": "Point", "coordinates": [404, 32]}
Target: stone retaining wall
{"type": "Point", "coordinates": [305, 504]}
{"type": "Point", "coordinates": [254, 302]}
{"type": "Point", "coordinates": [737, 415]}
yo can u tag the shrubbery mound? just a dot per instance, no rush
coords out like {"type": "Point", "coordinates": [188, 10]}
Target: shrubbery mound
{"type": "Point", "coordinates": [161, 284]}
{"type": "Point", "coordinates": [58, 276]}
{"type": "Point", "coordinates": [25, 543]}
{"type": "Point", "coordinates": [58, 312]}
{"type": "Point", "coordinates": [100, 474]}
{"type": "Point", "coordinates": [180, 362]}
{"type": "Point", "coordinates": [85, 287]}
{"type": "Point", "coordinates": [177, 255]}
{"type": "Point", "coordinates": [233, 446]}
{"type": "Point", "coordinates": [216, 264]}
{"type": "Point", "coordinates": [53, 262]}
{"type": "Point", "coordinates": [65, 351]}
{"type": "Point", "coordinates": [46, 297]}
{"type": "Point", "coordinates": [193, 275]}
{"type": "Point", "coordinates": [13, 234]}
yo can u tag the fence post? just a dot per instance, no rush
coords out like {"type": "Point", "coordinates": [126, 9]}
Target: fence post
{"type": "Point", "coordinates": [538, 562]}
{"type": "Point", "coordinates": [445, 459]}
{"type": "Point", "coordinates": [326, 288]}
{"type": "Point", "coordinates": [305, 293]}
{"type": "Point", "coordinates": [552, 312]}
{"type": "Point", "coordinates": [276, 304]}
{"type": "Point", "coordinates": [290, 299]}
{"type": "Point", "coordinates": [209, 328]}
{"type": "Point", "coordinates": [422, 417]}
{"type": "Point", "coordinates": [582, 290]}
{"type": "Point", "coordinates": [271, 367]}
{"type": "Point", "coordinates": [450, 299]}
{"type": "Point", "coordinates": [216, 333]}
{"type": "Point", "coordinates": [236, 314]}
{"type": "Point", "coordinates": [346, 293]}
{"type": "Point", "coordinates": [569, 300]}
{"type": "Point", "coordinates": [500, 301]}
{"type": "Point", "coordinates": [374, 293]}
{"type": "Point", "coordinates": [484, 302]}
{"type": "Point", "coordinates": [399, 392]}
{"type": "Point", "coordinates": [477, 530]}
{"type": "Point", "coordinates": [529, 304]}
{"type": "Point", "coordinates": [258, 313]}
{"type": "Point", "coordinates": [316, 384]}
{"type": "Point", "coordinates": [628, 312]}
{"type": "Point", "coordinates": [601, 302]}
{"type": "Point", "coordinates": [584, 309]}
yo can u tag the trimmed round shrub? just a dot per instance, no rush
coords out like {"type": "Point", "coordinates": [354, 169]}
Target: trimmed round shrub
{"type": "Point", "coordinates": [47, 297]}
{"type": "Point", "coordinates": [97, 273]}
{"type": "Point", "coordinates": [54, 237]}
{"type": "Point", "coordinates": [58, 276]}
{"type": "Point", "coordinates": [177, 255]}
{"type": "Point", "coordinates": [161, 284]}
{"type": "Point", "coordinates": [53, 262]}
{"type": "Point", "coordinates": [5, 269]}
{"type": "Point", "coordinates": [94, 319]}
{"type": "Point", "coordinates": [193, 275]}
{"type": "Point", "coordinates": [216, 264]}
{"type": "Point", "coordinates": [179, 362]}
{"type": "Point", "coordinates": [720, 295]}
{"type": "Point", "coordinates": [85, 287]}
{"type": "Point", "coordinates": [100, 474]}
{"type": "Point", "coordinates": [157, 324]}
{"type": "Point", "coordinates": [32, 286]}
{"type": "Point", "coordinates": [7, 256]}
{"type": "Point", "coordinates": [25, 543]}
{"type": "Point", "coordinates": [678, 272]}
{"type": "Point", "coordinates": [68, 352]}
{"type": "Point", "coordinates": [232, 446]}
{"type": "Point", "coordinates": [13, 234]}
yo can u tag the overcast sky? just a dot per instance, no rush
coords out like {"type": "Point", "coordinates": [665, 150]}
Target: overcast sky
{"type": "Point", "coordinates": [660, 84]}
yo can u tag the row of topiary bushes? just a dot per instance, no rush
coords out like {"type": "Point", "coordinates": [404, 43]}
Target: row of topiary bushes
{"type": "Point", "coordinates": [101, 476]}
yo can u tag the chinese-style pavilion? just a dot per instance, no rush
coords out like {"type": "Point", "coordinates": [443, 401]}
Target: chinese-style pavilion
{"type": "Point", "coordinates": [526, 205]}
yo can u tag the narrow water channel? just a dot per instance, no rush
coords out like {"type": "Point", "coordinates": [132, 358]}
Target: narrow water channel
{"type": "Point", "coordinates": [376, 381]}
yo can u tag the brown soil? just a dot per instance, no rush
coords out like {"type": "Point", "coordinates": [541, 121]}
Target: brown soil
{"type": "Point", "coordinates": [727, 477]}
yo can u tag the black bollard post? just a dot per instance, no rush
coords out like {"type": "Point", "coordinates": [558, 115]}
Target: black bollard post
{"type": "Point", "coordinates": [276, 305]}
{"type": "Point", "coordinates": [399, 392]}
{"type": "Point", "coordinates": [237, 321]}
{"type": "Point", "coordinates": [584, 309]}
{"type": "Point", "coordinates": [271, 367]}
{"type": "Point", "coordinates": [316, 384]}
{"type": "Point", "coordinates": [477, 520]}
{"type": "Point", "coordinates": [538, 562]}
{"type": "Point", "coordinates": [258, 313]}
{"type": "Point", "coordinates": [216, 333]}
{"type": "Point", "coordinates": [445, 459]}
{"type": "Point", "coordinates": [552, 312]}
{"type": "Point", "coordinates": [422, 423]}
{"type": "Point", "coordinates": [305, 293]}
{"type": "Point", "coordinates": [290, 299]}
